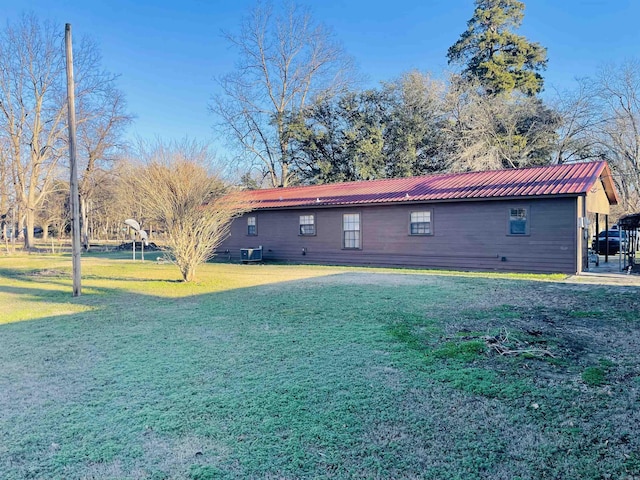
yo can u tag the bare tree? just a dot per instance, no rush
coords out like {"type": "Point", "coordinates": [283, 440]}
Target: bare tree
{"type": "Point", "coordinates": [581, 119]}
{"type": "Point", "coordinates": [55, 212]}
{"type": "Point", "coordinates": [104, 118]}
{"type": "Point", "coordinates": [509, 130]}
{"type": "Point", "coordinates": [31, 113]}
{"type": "Point", "coordinates": [175, 187]}
{"type": "Point", "coordinates": [33, 105]}
{"type": "Point", "coordinates": [4, 190]}
{"type": "Point", "coordinates": [619, 89]}
{"type": "Point", "coordinates": [285, 62]}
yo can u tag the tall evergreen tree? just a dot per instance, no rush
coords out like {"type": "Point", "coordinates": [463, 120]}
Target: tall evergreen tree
{"type": "Point", "coordinates": [492, 54]}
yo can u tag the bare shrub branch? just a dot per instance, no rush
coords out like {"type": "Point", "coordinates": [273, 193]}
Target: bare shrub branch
{"type": "Point", "coordinates": [175, 187]}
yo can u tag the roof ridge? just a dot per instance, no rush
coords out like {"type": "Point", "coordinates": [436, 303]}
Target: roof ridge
{"type": "Point", "coordinates": [429, 175]}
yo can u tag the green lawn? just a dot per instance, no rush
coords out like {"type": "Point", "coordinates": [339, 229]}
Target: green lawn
{"type": "Point", "coordinates": [273, 371]}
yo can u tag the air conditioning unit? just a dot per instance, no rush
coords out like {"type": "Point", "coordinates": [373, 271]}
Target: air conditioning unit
{"type": "Point", "coordinates": [251, 254]}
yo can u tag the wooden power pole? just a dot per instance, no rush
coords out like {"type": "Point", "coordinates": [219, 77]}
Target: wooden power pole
{"type": "Point", "coordinates": [73, 183]}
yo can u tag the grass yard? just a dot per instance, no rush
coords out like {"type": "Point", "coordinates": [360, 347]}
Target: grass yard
{"type": "Point", "coordinates": [313, 372]}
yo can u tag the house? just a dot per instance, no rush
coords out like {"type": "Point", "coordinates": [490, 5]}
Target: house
{"type": "Point", "coordinates": [522, 220]}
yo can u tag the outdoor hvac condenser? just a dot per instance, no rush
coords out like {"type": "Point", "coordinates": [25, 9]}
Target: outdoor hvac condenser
{"type": "Point", "coordinates": [251, 254]}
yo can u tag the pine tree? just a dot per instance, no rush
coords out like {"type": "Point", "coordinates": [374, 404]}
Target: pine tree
{"type": "Point", "coordinates": [495, 56]}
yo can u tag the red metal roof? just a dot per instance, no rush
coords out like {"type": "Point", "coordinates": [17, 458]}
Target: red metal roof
{"type": "Point", "coordinates": [569, 179]}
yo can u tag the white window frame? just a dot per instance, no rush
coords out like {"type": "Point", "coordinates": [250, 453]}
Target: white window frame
{"type": "Point", "coordinates": [252, 221]}
{"type": "Point", "coordinates": [417, 219]}
{"type": "Point", "coordinates": [515, 214]}
{"type": "Point", "coordinates": [352, 237]}
{"type": "Point", "coordinates": [307, 225]}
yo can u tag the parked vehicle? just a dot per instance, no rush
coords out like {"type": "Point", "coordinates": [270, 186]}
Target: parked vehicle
{"type": "Point", "coordinates": [617, 242]}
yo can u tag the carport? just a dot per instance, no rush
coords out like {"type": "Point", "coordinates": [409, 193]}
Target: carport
{"type": "Point", "coordinates": [631, 225]}
{"type": "Point", "coordinates": [598, 206]}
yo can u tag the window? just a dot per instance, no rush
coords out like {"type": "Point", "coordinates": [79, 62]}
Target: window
{"type": "Point", "coordinates": [307, 225]}
{"type": "Point", "coordinates": [351, 230]}
{"type": "Point", "coordinates": [252, 227]}
{"type": "Point", "coordinates": [518, 221]}
{"type": "Point", "coordinates": [420, 223]}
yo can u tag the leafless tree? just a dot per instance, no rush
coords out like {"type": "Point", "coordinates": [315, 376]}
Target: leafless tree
{"type": "Point", "coordinates": [31, 113]}
{"type": "Point", "coordinates": [4, 190]}
{"type": "Point", "coordinates": [108, 208]}
{"type": "Point", "coordinates": [99, 136]}
{"type": "Point", "coordinates": [33, 105]}
{"type": "Point", "coordinates": [175, 188]}
{"type": "Point", "coordinates": [619, 90]}
{"type": "Point", "coordinates": [581, 119]}
{"type": "Point", "coordinates": [285, 62]}
{"type": "Point", "coordinates": [54, 211]}
{"type": "Point", "coordinates": [508, 130]}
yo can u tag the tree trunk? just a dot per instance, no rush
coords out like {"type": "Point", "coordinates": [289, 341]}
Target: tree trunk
{"type": "Point", "coordinates": [188, 273]}
{"type": "Point", "coordinates": [84, 224]}
{"type": "Point", "coordinates": [28, 229]}
{"type": "Point", "coordinates": [4, 194]}
{"type": "Point", "coordinates": [45, 231]}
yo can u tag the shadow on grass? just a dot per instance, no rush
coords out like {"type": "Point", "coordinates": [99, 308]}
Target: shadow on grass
{"type": "Point", "coordinates": [245, 381]}
{"type": "Point", "coordinates": [132, 279]}
{"type": "Point", "coordinates": [300, 378]}
{"type": "Point", "coordinates": [50, 285]}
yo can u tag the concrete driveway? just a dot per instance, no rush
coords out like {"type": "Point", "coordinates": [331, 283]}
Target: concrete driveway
{"type": "Point", "coordinates": [608, 273]}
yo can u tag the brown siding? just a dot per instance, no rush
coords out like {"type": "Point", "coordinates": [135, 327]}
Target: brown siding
{"type": "Point", "coordinates": [468, 235]}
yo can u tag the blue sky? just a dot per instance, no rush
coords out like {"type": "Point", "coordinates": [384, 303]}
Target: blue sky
{"type": "Point", "coordinates": [168, 53]}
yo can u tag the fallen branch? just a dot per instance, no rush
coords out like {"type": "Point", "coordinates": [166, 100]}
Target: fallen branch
{"type": "Point", "coordinates": [536, 352]}
{"type": "Point", "coordinates": [503, 345]}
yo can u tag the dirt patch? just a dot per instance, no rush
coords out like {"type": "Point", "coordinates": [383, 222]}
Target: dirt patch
{"type": "Point", "coordinates": [49, 273]}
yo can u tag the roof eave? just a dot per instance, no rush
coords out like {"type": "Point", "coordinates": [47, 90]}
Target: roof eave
{"type": "Point", "coordinates": [609, 187]}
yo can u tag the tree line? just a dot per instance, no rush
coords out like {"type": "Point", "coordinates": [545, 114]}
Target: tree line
{"type": "Point", "coordinates": [33, 127]}
{"type": "Point", "coordinates": [295, 115]}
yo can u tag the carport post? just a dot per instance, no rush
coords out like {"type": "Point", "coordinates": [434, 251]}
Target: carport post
{"type": "Point", "coordinates": [606, 239]}
{"type": "Point", "coordinates": [596, 241]}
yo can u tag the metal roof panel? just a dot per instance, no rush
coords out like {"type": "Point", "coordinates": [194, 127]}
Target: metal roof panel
{"type": "Point", "coordinates": [568, 179]}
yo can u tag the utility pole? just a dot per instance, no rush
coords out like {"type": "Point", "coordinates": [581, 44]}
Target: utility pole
{"type": "Point", "coordinates": [75, 209]}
